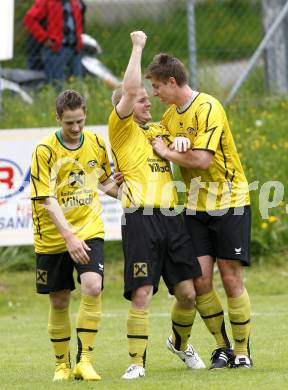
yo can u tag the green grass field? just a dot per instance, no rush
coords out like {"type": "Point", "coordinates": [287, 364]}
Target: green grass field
{"type": "Point", "coordinates": [26, 354]}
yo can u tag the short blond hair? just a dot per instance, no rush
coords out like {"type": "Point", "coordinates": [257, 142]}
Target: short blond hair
{"type": "Point", "coordinates": [117, 95]}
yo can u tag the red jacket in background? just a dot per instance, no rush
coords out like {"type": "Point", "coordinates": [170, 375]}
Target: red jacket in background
{"type": "Point", "coordinates": [51, 12]}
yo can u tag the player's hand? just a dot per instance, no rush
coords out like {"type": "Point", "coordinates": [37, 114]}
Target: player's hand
{"type": "Point", "coordinates": [138, 38]}
{"type": "Point", "coordinates": [78, 250]}
{"type": "Point", "coordinates": [159, 147]}
{"type": "Point", "coordinates": [118, 178]}
{"type": "Point", "coordinates": [49, 43]}
{"type": "Point", "coordinates": [181, 144]}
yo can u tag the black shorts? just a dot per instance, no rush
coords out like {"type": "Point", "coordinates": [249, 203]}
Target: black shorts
{"type": "Point", "coordinates": [54, 272]}
{"type": "Point", "coordinates": [156, 245]}
{"type": "Point", "coordinates": [224, 236]}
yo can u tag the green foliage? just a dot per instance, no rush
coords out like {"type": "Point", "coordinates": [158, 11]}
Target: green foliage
{"type": "Point", "coordinates": [15, 258]}
{"type": "Point", "coordinates": [41, 113]}
{"type": "Point", "coordinates": [225, 30]}
{"type": "Point", "coordinates": [228, 29]}
{"type": "Point", "coordinates": [259, 128]}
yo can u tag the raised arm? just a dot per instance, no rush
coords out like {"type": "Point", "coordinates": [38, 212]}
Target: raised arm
{"type": "Point", "coordinates": [132, 76]}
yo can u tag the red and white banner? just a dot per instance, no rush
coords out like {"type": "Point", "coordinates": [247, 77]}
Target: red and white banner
{"type": "Point", "coordinates": [16, 147]}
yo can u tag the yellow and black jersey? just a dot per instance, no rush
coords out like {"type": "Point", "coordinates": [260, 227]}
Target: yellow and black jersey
{"type": "Point", "coordinates": [223, 184]}
{"type": "Point", "coordinates": [148, 178]}
{"type": "Point", "coordinates": [71, 176]}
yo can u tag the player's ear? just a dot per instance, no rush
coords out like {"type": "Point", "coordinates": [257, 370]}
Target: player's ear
{"type": "Point", "coordinates": [58, 119]}
{"type": "Point", "coordinates": [172, 80]}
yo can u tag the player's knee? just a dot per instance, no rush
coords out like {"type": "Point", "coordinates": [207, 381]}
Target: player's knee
{"type": "Point", "coordinates": [233, 284]}
{"type": "Point", "coordinates": [141, 297]}
{"type": "Point", "coordinates": [59, 302]}
{"type": "Point", "coordinates": [185, 293]}
{"type": "Point", "coordinates": [92, 289]}
{"type": "Point", "coordinates": [203, 285]}
{"type": "Point", "coordinates": [186, 298]}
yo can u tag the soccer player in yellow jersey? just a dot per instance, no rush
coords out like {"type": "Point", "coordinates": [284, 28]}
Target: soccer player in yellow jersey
{"type": "Point", "coordinates": [66, 168]}
{"type": "Point", "coordinates": [155, 242]}
{"type": "Point", "coordinates": [217, 203]}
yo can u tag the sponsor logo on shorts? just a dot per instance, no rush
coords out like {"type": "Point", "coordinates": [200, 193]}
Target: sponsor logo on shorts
{"type": "Point", "coordinates": [41, 276]}
{"type": "Point", "coordinates": [140, 270]}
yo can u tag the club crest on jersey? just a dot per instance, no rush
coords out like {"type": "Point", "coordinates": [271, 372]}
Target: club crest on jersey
{"type": "Point", "coordinates": [140, 270]}
{"type": "Point", "coordinates": [91, 163]}
{"type": "Point", "coordinates": [190, 130]}
{"type": "Point", "coordinates": [76, 178]}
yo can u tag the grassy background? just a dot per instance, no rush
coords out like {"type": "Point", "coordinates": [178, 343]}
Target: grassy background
{"type": "Point", "coordinates": [26, 354]}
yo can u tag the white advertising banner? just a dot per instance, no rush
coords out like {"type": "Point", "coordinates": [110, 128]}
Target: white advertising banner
{"type": "Point", "coordinates": [16, 148]}
{"type": "Point", "coordinates": [6, 29]}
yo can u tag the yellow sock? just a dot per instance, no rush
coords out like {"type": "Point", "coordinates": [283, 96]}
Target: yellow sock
{"type": "Point", "coordinates": [59, 330]}
{"type": "Point", "coordinates": [87, 324]}
{"type": "Point", "coordinates": [182, 321]}
{"type": "Point", "coordinates": [239, 311]}
{"type": "Point", "coordinates": [137, 334]}
{"type": "Point", "coordinates": [211, 311]}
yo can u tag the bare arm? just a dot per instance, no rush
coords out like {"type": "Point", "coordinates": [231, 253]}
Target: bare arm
{"type": "Point", "coordinates": [110, 187]}
{"type": "Point", "coordinates": [76, 247]}
{"type": "Point", "coordinates": [132, 76]}
{"type": "Point", "coordinates": [197, 159]}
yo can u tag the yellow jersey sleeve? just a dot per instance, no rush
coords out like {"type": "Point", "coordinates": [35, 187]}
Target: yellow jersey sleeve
{"type": "Point", "coordinates": [103, 163]}
{"type": "Point", "coordinates": [42, 179]}
{"type": "Point", "coordinates": [210, 118]}
{"type": "Point", "coordinates": [119, 130]}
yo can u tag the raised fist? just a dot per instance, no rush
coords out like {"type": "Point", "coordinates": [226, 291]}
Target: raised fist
{"type": "Point", "coordinates": [138, 38]}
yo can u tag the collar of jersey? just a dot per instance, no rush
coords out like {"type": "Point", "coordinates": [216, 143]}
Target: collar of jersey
{"type": "Point", "coordinates": [183, 108]}
{"type": "Point", "coordinates": [144, 127]}
{"type": "Point", "coordinates": [60, 139]}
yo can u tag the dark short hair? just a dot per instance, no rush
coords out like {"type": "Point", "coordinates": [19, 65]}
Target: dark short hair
{"type": "Point", "coordinates": [164, 66]}
{"type": "Point", "coordinates": [70, 100]}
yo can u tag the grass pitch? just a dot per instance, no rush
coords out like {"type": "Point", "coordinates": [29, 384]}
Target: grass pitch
{"type": "Point", "coordinates": [27, 360]}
